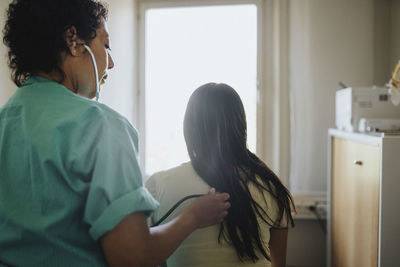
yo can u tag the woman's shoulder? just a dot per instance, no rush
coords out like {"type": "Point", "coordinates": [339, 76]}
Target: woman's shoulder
{"type": "Point", "coordinates": [266, 196]}
{"type": "Point", "coordinates": [171, 185]}
{"type": "Point", "coordinates": [264, 193]}
{"type": "Point", "coordinates": [262, 190]}
{"type": "Point", "coordinates": [178, 180]}
{"type": "Point", "coordinates": [183, 171]}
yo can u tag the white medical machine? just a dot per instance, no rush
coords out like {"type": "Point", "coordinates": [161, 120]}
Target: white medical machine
{"type": "Point", "coordinates": [379, 125]}
{"type": "Point", "coordinates": [371, 104]}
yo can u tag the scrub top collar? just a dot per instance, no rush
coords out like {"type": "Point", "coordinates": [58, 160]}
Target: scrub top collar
{"type": "Point", "coordinates": [39, 79]}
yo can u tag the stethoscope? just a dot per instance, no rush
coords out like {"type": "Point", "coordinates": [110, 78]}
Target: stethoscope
{"type": "Point", "coordinates": [97, 99]}
{"type": "Point", "coordinates": [96, 75]}
{"type": "Point", "coordinates": [174, 207]}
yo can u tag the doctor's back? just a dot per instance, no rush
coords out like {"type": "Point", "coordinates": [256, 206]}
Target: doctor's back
{"type": "Point", "coordinates": [57, 188]}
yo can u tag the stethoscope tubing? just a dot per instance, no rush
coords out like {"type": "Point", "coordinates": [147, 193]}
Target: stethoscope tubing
{"type": "Point", "coordinates": [96, 75]}
{"type": "Point", "coordinates": [174, 207]}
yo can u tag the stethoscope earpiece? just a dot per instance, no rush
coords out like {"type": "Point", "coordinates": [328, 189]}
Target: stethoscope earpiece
{"type": "Point", "coordinates": [96, 76]}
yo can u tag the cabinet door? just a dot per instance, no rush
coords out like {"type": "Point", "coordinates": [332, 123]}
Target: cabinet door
{"type": "Point", "coordinates": [355, 204]}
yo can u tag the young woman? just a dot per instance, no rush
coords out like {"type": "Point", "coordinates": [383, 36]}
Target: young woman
{"type": "Point", "coordinates": [71, 190]}
{"type": "Point", "coordinates": [255, 231]}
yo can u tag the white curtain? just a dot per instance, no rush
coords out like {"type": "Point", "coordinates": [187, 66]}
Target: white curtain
{"type": "Point", "coordinates": [274, 134]}
{"type": "Point", "coordinates": [309, 46]}
{"type": "Point", "coordinates": [330, 41]}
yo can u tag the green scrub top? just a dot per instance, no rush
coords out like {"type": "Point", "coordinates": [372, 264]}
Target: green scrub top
{"type": "Point", "coordinates": [69, 173]}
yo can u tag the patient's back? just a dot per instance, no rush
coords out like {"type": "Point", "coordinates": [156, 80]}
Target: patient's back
{"type": "Point", "coordinates": [201, 248]}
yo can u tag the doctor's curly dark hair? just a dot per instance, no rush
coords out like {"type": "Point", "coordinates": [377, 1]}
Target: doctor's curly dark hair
{"type": "Point", "coordinates": [34, 32]}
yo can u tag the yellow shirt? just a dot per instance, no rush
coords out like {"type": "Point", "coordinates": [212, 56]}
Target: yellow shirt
{"type": "Point", "coordinates": [201, 248]}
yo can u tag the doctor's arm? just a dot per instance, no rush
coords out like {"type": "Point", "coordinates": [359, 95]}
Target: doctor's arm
{"type": "Point", "coordinates": [133, 243]}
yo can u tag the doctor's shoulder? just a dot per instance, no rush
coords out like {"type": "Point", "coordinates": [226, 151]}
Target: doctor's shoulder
{"type": "Point", "coordinates": [93, 113]}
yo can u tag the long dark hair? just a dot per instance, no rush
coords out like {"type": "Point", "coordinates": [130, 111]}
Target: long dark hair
{"type": "Point", "coordinates": [216, 138]}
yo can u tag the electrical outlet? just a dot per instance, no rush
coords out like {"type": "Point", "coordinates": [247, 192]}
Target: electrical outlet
{"type": "Point", "coordinates": [310, 206]}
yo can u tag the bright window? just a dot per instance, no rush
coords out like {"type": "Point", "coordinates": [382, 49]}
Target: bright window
{"type": "Point", "coordinates": [184, 48]}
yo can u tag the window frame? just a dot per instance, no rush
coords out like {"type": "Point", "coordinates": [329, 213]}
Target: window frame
{"type": "Point", "coordinates": [142, 7]}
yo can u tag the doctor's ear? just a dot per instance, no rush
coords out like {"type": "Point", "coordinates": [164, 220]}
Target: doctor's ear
{"type": "Point", "coordinates": [72, 41]}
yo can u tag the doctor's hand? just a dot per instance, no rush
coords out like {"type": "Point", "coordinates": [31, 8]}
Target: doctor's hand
{"type": "Point", "coordinates": [209, 209]}
{"type": "Point", "coordinates": [132, 243]}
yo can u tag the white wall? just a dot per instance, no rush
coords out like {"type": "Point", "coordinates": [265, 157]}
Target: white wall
{"type": "Point", "coordinates": [330, 41]}
{"type": "Point", "coordinates": [306, 245]}
{"type": "Point", "coordinates": [119, 90]}
{"type": "Point", "coordinates": [7, 86]}
{"type": "Point", "coordinates": [382, 41]}
{"type": "Point", "coordinates": [354, 41]}
{"type": "Point", "coordinates": [394, 39]}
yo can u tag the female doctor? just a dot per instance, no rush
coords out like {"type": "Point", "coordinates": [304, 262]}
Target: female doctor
{"type": "Point", "coordinates": [71, 191]}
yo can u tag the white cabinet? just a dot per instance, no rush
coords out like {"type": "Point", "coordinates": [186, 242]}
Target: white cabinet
{"type": "Point", "coordinates": [363, 196]}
